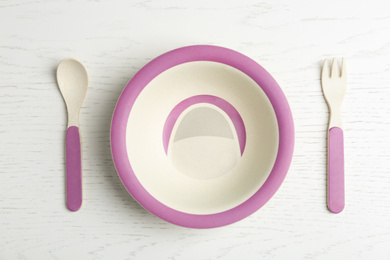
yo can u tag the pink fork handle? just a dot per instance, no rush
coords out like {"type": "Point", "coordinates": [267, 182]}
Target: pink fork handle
{"type": "Point", "coordinates": [73, 169]}
{"type": "Point", "coordinates": [336, 195]}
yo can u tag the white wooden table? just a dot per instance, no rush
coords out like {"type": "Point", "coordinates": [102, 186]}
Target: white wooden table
{"type": "Point", "coordinates": [114, 39]}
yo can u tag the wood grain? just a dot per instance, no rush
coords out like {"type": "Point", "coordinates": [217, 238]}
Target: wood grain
{"type": "Point", "coordinates": [114, 39]}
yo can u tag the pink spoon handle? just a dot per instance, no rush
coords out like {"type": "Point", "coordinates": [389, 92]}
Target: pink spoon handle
{"type": "Point", "coordinates": [336, 197]}
{"type": "Point", "coordinates": [73, 169]}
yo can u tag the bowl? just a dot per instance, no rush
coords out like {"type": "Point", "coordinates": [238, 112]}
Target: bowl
{"type": "Point", "coordinates": [202, 136]}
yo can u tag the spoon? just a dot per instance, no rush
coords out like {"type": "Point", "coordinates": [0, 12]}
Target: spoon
{"type": "Point", "coordinates": [72, 80]}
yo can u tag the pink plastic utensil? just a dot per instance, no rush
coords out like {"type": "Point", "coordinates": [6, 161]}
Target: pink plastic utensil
{"type": "Point", "coordinates": [334, 87]}
{"type": "Point", "coordinates": [72, 80]}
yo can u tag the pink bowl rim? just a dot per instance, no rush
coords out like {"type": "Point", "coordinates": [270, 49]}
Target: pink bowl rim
{"type": "Point", "coordinates": [214, 54]}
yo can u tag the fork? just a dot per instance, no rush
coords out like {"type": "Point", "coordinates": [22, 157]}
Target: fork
{"type": "Point", "coordinates": [334, 86]}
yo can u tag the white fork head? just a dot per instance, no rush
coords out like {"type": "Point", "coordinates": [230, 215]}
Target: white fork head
{"type": "Point", "coordinates": [334, 86]}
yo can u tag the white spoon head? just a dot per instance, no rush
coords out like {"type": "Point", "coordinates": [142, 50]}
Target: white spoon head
{"type": "Point", "coordinates": [72, 79]}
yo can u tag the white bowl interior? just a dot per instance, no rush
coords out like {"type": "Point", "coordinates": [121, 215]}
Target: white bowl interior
{"type": "Point", "coordinates": [204, 171]}
{"type": "Point", "coordinates": [204, 144]}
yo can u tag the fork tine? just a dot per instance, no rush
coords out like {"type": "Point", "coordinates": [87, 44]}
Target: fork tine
{"type": "Point", "coordinates": [343, 68]}
{"type": "Point", "coordinates": [335, 69]}
{"type": "Point", "coordinates": [325, 70]}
